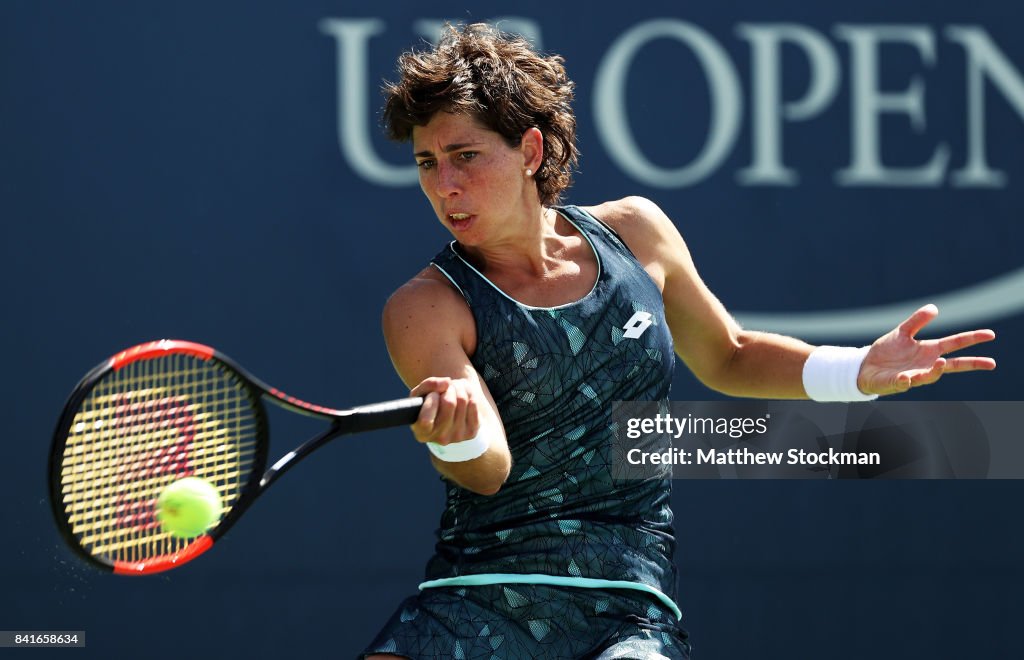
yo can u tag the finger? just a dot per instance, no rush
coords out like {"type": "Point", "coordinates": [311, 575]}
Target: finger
{"type": "Point", "coordinates": [459, 426]}
{"type": "Point", "coordinates": [473, 417]}
{"type": "Point", "coordinates": [913, 377]}
{"type": "Point", "coordinates": [961, 364]}
{"type": "Point", "coordinates": [424, 425]}
{"type": "Point", "coordinates": [447, 403]}
{"type": "Point", "coordinates": [918, 320]}
{"type": "Point", "coordinates": [963, 340]}
{"type": "Point", "coordinates": [921, 377]}
{"type": "Point", "coordinates": [434, 384]}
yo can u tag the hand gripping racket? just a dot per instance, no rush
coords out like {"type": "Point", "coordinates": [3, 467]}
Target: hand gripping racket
{"type": "Point", "coordinates": [159, 412]}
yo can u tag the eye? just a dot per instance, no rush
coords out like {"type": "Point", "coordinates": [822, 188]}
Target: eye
{"type": "Point", "coordinates": [468, 155]}
{"type": "Point", "coordinates": [425, 164]}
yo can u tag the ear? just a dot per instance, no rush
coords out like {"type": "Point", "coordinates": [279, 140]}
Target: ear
{"type": "Point", "coordinates": [532, 148]}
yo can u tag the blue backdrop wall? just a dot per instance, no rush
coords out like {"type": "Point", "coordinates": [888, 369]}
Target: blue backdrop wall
{"type": "Point", "coordinates": [215, 172]}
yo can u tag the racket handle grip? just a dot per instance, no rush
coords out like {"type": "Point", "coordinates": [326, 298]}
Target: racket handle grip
{"type": "Point", "coordinates": [400, 412]}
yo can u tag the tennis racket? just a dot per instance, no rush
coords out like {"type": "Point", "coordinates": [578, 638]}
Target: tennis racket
{"type": "Point", "coordinates": [156, 413]}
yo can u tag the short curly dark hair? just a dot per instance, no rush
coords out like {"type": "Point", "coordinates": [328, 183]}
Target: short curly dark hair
{"type": "Point", "coordinates": [499, 79]}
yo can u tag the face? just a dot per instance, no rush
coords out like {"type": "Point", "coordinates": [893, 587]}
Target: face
{"type": "Point", "coordinates": [475, 182]}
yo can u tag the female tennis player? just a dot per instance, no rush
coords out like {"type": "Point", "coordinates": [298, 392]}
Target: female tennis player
{"type": "Point", "coordinates": [520, 334]}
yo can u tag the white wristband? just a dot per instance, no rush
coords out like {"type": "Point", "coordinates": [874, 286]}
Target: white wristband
{"type": "Point", "coordinates": [458, 452]}
{"type": "Point", "coordinates": [830, 374]}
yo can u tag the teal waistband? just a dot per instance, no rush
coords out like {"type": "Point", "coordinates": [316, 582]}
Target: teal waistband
{"type": "Point", "coordinates": [554, 580]}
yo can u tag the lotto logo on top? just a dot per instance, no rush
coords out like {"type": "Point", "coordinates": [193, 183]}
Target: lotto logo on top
{"type": "Point", "coordinates": [637, 325]}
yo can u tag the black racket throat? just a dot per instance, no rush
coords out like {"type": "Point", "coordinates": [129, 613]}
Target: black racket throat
{"type": "Point", "coordinates": [292, 458]}
{"type": "Point", "coordinates": [373, 417]}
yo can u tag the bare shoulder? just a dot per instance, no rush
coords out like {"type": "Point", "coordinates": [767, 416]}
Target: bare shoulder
{"type": "Point", "coordinates": [427, 299]}
{"type": "Point", "coordinates": [648, 232]}
{"type": "Point", "coordinates": [640, 222]}
{"type": "Point", "coordinates": [428, 287]}
{"type": "Point", "coordinates": [629, 213]}
{"type": "Point", "coordinates": [428, 311]}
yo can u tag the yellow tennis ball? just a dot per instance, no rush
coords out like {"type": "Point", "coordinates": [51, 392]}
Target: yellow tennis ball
{"type": "Point", "coordinates": [187, 507]}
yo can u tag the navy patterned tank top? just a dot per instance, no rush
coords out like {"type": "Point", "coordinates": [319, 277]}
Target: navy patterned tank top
{"type": "Point", "coordinates": [554, 373]}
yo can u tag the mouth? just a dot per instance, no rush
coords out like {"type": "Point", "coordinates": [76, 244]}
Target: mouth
{"type": "Point", "coordinates": [460, 221]}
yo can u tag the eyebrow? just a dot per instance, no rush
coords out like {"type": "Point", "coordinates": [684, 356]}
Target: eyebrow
{"type": "Point", "coordinates": [446, 149]}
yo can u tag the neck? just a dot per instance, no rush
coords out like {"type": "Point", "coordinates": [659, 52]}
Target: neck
{"type": "Point", "coordinates": [531, 246]}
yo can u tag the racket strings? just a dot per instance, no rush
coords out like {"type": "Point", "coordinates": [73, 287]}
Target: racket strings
{"type": "Point", "coordinates": [143, 427]}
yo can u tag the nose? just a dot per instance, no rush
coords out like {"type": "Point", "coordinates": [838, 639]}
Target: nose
{"type": "Point", "coordinates": [447, 183]}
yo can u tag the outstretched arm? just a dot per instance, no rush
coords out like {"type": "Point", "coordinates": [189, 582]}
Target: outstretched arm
{"type": "Point", "coordinates": [747, 363]}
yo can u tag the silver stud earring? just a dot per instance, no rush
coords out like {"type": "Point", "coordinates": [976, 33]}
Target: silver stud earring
{"type": "Point", "coordinates": [529, 172]}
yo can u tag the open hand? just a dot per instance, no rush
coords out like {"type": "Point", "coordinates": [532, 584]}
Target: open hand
{"type": "Point", "coordinates": [898, 360]}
